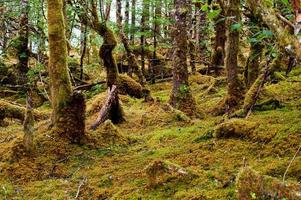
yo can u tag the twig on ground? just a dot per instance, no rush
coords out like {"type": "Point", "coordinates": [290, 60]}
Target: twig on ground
{"type": "Point", "coordinates": [81, 183]}
{"type": "Point", "coordinates": [291, 162]}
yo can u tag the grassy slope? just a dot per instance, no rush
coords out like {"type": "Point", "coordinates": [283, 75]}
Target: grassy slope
{"type": "Point", "coordinates": [56, 168]}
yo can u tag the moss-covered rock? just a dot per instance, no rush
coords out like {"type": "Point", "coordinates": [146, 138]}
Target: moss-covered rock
{"type": "Point", "coordinates": [251, 185]}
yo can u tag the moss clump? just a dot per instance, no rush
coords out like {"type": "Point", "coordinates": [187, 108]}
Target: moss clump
{"type": "Point", "coordinates": [251, 185]}
{"type": "Point", "coordinates": [128, 86]}
{"type": "Point", "coordinates": [108, 134]}
{"type": "Point", "coordinates": [235, 128]}
{"type": "Point", "coordinates": [157, 169]}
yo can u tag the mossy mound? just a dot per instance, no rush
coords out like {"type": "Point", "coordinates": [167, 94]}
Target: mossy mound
{"type": "Point", "coordinates": [128, 86]}
{"type": "Point", "coordinates": [235, 128]}
{"type": "Point", "coordinates": [108, 134]}
{"type": "Point", "coordinates": [251, 185]}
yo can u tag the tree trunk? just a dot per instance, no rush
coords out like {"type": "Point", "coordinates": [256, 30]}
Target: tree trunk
{"type": "Point", "coordinates": [133, 24]}
{"type": "Point", "coordinates": [144, 28]}
{"type": "Point", "coordinates": [181, 97]}
{"type": "Point", "coordinates": [217, 59]}
{"type": "Point", "coordinates": [84, 31]}
{"type": "Point", "coordinates": [22, 49]}
{"type": "Point", "coordinates": [28, 127]}
{"type": "Point", "coordinates": [232, 47]}
{"type": "Point", "coordinates": [68, 108]}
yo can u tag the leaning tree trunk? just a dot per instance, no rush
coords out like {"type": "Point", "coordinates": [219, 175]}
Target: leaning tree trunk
{"type": "Point", "coordinates": [265, 13]}
{"type": "Point", "coordinates": [68, 108]}
{"type": "Point", "coordinates": [181, 97]}
{"type": "Point", "coordinates": [106, 54]}
{"type": "Point", "coordinates": [232, 47]}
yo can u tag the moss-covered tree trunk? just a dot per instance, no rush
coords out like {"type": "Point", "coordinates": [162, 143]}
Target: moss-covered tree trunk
{"type": "Point", "coordinates": [68, 108]}
{"type": "Point", "coordinates": [232, 47]}
{"type": "Point", "coordinates": [264, 12]}
{"type": "Point", "coordinates": [181, 97]}
{"type": "Point", "coordinates": [253, 64]}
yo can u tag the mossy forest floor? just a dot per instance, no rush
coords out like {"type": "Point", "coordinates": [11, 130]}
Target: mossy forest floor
{"type": "Point", "coordinates": [115, 168]}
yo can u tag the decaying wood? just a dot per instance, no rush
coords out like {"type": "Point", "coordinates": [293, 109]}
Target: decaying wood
{"type": "Point", "coordinates": [107, 108]}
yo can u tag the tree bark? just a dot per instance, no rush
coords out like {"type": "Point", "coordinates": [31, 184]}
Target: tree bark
{"type": "Point", "coordinates": [218, 55]}
{"type": "Point", "coordinates": [232, 47]}
{"type": "Point", "coordinates": [68, 108]}
{"type": "Point", "coordinates": [22, 41]}
{"type": "Point", "coordinates": [181, 97]}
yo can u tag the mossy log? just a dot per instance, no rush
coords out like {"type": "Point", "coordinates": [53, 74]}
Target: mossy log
{"type": "Point", "coordinates": [128, 86]}
{"type": "Point", "coordinates": [251, 185]}
{"type": "Point", "coordinates": [9, 110]}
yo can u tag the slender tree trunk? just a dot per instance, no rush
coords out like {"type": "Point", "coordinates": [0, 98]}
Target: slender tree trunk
{"type": "Point", "coordinates": [127, 15]}
{"type": "Point", "coordinates": [218, 55]}
{"type": "Point", "coordinates": [68, 108]}
{"type": "Point", "coordinates": [83, 49]}
{"type": "Point", "coordinates": [181, 97]}
{"type": "Point", "coordinates": [144, 28]}
{"type": "Point", "coordinates": [133, 24]}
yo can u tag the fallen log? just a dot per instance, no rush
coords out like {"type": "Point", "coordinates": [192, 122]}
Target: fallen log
{"type": "Point", "coordinates": [10, 110]}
